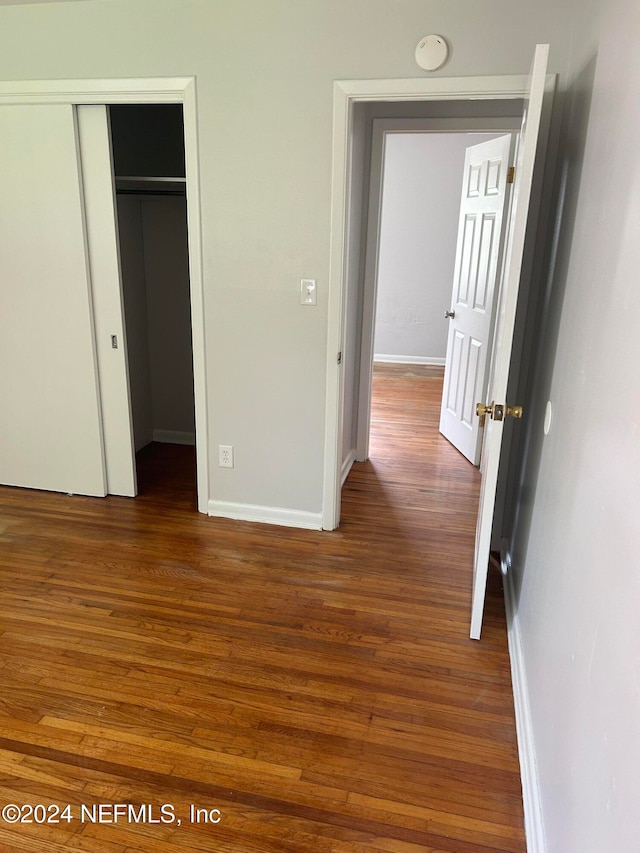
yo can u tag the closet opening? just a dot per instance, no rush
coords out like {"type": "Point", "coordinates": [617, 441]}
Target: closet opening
{"type": "Point", "coordinates": [151, 207]}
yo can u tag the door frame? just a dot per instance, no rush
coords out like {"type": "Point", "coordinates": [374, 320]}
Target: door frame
{"type": "Point", "coordinates": [346, 94]}
{"type": "Point", "coordinates": [381, 128]}
{"type": "Point", "coordinates": [165, 90]}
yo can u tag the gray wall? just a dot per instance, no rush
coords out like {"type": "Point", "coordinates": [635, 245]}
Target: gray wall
{"type": "Point", "coordinates": [164, 225]}
{"type": "Point", "coordinates": [265, 112]}
{"type": "Point", "coordinates": [155, 272]}
{"type": "Point", "coordinates": [418, 231]}
{"type": "Point", "coordinates": [576, 544]}
{"type": "Point", "coordinates": [134, 289]}
{"type": "Point", "coordinates": [264, 123]}
{"type": "Point", "coordinates": [355, 262]}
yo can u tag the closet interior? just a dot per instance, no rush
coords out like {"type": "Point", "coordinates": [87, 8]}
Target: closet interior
{"type": "Point", "coordinates": [149, 165]}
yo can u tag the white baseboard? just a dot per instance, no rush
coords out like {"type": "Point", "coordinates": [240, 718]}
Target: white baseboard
{"type": "Point", "coordinates": [533, 824]}
{"type": "Point", "coordinates": [266, 514]}
{"type": "Point", "coordinates": [170, 436]}
{"type": "Point", "coordinates": [346, 465]}
{"type": "Point", "coordinates": [408, 359]}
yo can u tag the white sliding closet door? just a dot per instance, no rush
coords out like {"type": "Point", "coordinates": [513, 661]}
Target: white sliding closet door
{"type": "Point", "coordinates": [106, 287]}
{"type": "Point", "coordinates": [50, 421]}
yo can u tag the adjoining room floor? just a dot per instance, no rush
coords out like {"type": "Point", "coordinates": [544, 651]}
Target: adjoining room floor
{"type": "Point", "coordinates": [241, 687]}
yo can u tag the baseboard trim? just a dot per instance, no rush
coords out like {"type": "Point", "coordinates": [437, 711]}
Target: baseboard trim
{"type": "Point", "coordinates": [346, 465]}
{"type": "Point", "coordinates": [533, 824]}
{"type": "Point", "coordinates": [266, 514]}
{"type": "Point", "coordinates": [408, 359]}
{"type": "Point", "coordinates": [170, 436]}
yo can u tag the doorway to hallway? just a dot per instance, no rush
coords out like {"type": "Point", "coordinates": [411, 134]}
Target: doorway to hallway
{"type": "Point", "coordinates": [415, 483]}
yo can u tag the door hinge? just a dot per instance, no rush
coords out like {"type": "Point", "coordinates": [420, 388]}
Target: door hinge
{"type": "Point", "coordinates": [340, 357]}
{"type": "Point", "coordinates": [511, 174]}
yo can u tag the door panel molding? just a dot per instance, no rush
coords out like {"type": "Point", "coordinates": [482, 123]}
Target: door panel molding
{"type": "Point", "coordinates": [481, 225]}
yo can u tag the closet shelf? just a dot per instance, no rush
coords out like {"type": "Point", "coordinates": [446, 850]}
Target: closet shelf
{"type": "Point", "coordinates": [139, 185]}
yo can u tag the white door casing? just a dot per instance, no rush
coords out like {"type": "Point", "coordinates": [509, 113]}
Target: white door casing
{"type": "Point", "coordinates": [348, 93]}
{"type": "Point", "coordinates": [503, 338]}
{"type": "Point", "coordinates": [472, 308]}
{"type": "Point", "coordinates": [50, 420]}
{"type": "Point", "coordinates": [106, 287]}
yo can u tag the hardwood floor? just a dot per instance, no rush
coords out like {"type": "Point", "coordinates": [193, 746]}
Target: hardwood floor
{"type": "Point", "coordinates": [318, 689]}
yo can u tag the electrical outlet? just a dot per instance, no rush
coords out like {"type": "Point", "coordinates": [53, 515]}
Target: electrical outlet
{"type": "Point", "coordinates": [225, 456]}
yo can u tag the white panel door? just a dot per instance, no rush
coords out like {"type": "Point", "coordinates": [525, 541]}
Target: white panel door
{"type": "Point", "coordinates": [108, 301]}
{"type": "Point", "coordinates": [50, 424]}
{"type": "Point", "coordinates": [501, 357]}
{"type": "Point", "coordinates": [471, 316]}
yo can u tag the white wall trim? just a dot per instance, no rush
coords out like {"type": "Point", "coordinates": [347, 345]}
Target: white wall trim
{"type": "Point", "coordinates": [196, 290]}
{"type": "Point", "coordinates": [380, 358]}
{"type": "Point", "coordinates": [371, 255]}
{"type": "Point", "coordinates": [533, 823]}
{"type": "Point", "coordinates": [172, 436]}
{"type": "Point", "coordinates": [435, 89]}
{"type": "Point", "coordinates": [146, 90]}
{"type": "Point", "coordinates": [266, 514]}
{"type": "Point", "coordinates": [346, 93]}
{"type": "Point", "coordinates": [347, 465]}
{"type": "Point", "coordinates": [150, 90]}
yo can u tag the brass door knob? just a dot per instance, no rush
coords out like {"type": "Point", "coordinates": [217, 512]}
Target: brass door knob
{"type": "Point", "coordinates": [482, 410]}
{"type": "Point", "coordinates": [497, 411]}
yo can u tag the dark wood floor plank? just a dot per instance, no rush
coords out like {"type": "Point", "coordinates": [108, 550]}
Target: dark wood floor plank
{"type": "Point", "coordinates": [319, 688]}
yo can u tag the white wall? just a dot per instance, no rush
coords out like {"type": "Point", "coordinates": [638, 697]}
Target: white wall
{"type": "Point", "coordinates": [422, 178]}
{"type": "Point", "coordinates": [576, 547]}
{"type": "Point", "coordinates": [264, 121]}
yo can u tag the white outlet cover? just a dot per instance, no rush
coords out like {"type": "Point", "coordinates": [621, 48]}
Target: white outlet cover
{"type": "Point", "coordinates": [432, 52]}
{"type": "Point", "coordinates": [225, 456]}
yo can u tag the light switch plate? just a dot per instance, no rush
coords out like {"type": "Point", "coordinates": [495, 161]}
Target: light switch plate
{"type": "Point", "coordinates": [308, 291]}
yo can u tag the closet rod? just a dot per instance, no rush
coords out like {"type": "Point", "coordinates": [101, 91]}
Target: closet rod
{"type": "Point", "coordinates": [176, 192]}
{"type": "Point", "coordinates": [160, 185]}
